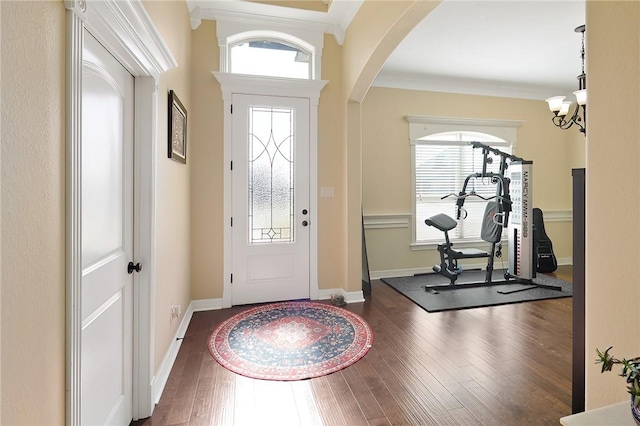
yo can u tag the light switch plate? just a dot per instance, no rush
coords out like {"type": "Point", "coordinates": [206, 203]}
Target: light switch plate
{"type": "Point", "coordinates": [326, 191]}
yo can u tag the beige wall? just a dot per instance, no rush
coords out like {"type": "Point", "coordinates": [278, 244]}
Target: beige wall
{"type": "Point", "coordinates": [33, 205]}
{"type": "Point", "coordinates": [374, 33]}
{"type": "Point", "coordinates": [332, 171]}
{"type": "Point", "coordinates": [32, 208]}
{"type": "Point", "coordinates": [33, 213]}
{"type": "Point", "coordinates": [613, 201]}
{"type": "Point", "coordinates": [386, 158]}
{"type": "Point", "coordinates": [0, 222]}
{"type": "Point", "coordinates": [207, 166]}
{"type": "Point", "coordinates": [173, 278]}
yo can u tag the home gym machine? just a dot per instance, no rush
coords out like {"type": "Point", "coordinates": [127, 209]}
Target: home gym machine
{"type": "Point", "coordinates": [510, 208]}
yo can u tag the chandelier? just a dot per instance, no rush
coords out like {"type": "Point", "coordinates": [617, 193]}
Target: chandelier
{"type": "Point", "coordinates": [560, 107]}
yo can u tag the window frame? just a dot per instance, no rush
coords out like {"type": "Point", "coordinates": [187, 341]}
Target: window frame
{"type": "Point", "coordinates": [272, 38]}
{"type": "Point", "coordinates": [421, 127]}
{"type": "Point", "coordinates": [231, 32]}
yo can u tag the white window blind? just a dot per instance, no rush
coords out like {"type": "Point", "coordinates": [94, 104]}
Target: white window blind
{"type": "Point", "coordinates": [442, 163]}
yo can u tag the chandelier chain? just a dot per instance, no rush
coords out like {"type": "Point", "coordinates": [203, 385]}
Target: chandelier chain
{"type": "Point", "coordinates": [582, 52]}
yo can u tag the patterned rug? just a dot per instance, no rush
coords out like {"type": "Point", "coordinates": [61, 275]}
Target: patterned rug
{"type": "Point", "coordinates": [290, 341]}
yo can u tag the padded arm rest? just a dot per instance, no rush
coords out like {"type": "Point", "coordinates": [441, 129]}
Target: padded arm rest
{"type": "Point", "coordinates": [442, 222]}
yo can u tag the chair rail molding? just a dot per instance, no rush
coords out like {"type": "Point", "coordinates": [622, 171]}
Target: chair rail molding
{"type": "Point", "coordinates": [403, 220]}
{"type": "Point", "coordinates": [558, 215]}
{"type": "Point", "coordinates": [386, 221]}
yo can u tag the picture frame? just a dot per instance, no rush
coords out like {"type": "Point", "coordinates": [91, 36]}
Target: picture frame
{"type": "Point", "coordinates": [177, 129]}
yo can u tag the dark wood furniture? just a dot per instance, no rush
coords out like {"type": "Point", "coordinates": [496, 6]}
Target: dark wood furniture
{"type": "Point", "coordinates": [578, 291]}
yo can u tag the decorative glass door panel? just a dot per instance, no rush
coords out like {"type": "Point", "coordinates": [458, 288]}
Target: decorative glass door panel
{"type": "Point", "coordinates": [270, 197]}
{"type": "Point", "coordinates": [271, 175]}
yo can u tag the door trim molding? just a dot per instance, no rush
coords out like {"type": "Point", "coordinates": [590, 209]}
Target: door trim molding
{"type": "Point", "coordinates": [129, 34]}
{"type": "Point", "coordinates": [270, 86]}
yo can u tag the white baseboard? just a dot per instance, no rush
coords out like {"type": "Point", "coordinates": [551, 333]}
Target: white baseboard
{"type": "Point", "coordinates": [376, 275]}
{"type": "Point", "coordinates": [389, 273]}
{"type": "Point", "coordinates": [162, 375]}
{"type": "Point", "coordinates": [206, 305]}
{"type": "Point", "coordinates": [349, 297]}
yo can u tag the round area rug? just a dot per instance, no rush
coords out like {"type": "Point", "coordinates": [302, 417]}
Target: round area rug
{"type": "Point", "coordinates": [290, 341]}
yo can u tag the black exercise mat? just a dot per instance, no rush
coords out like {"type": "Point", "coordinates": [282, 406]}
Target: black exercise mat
{"type": "Point", "coordinates": [473, 297]}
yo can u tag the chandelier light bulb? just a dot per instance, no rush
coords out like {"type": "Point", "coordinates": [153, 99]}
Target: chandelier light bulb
{"type": "Point", "coordinates": [555, 103]}
{"type": "Point", "coordinates": [581, 96]}
{"type": "Point", "coordinates": [564, 108]}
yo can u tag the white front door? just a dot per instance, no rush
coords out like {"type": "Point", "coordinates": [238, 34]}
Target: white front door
{"type": "Point", "coordinates": [107, 237]}
{"type": "Point", "coordinates": [270, 196]}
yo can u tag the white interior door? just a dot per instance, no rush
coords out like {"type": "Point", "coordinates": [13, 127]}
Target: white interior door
{"type": "Point", "coordinates": [107, 237]}
{"type": "Point", "coordinates": [270, 196]}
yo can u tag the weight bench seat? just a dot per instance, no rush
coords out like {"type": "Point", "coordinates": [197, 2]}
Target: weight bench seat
{"type": "Point", "coordinates": [446, 223]}
{"type": "Point", "coordinates": [442, 222]}
{"type": "Point", "coordinates": [467, 253]}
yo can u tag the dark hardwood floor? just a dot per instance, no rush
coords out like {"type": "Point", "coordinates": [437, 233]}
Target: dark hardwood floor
{"type": "Point", "coordinates": [504, 365]}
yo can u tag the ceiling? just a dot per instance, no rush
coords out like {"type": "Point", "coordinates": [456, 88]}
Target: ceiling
{"type": "Point", "coordinates": [513, 48]}
{"type": "Point", "coordinates": [524, 49]}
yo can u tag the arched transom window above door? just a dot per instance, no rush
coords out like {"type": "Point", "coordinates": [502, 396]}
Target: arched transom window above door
{"type": "Point", "coordinates": [274, 58]}
{"type": "Point", "coordinates": [269, 51]}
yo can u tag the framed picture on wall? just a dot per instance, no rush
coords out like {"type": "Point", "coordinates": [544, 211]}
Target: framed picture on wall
{"type": "Point", "coordinates": [177, 129]}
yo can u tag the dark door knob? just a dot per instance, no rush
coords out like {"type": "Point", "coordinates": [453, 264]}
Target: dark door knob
{"type": "Point", "coordinates": [305, 223]}
{"type": "Point", "coordinates": [304, 211]}
{"type": "Point", "coordinates": [131, 267]}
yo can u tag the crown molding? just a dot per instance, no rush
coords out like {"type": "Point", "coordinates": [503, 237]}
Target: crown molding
{"type": "Point", "coordinates": [456, 121]}
{"type": "Point", "coordinates": [341, 13]}
{"type": "Point", "coordinates": [195, 16]}
{"type": "Point", "coordinates": [126, 30]}
{"type": "Point", "coordinates": [272, 21]}
{"type": "Point", "coordinates": [335, 21]}
{"type": "Point", "coordinates": [464, 86]}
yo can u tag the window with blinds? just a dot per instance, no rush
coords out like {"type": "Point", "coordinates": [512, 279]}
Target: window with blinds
{"type": "Point", "coordinates": [442, 163]}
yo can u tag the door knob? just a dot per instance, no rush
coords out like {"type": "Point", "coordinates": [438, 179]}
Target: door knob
{"type": "Point", "coordinates": [131, 267]}
{"type": "Point", "coordinates": [304, 211]}
{"type": "Point", "coordinates": [305, 223]}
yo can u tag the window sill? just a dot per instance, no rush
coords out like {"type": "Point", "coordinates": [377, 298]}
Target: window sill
{"type": "Point", "coordinates": [459, 244]}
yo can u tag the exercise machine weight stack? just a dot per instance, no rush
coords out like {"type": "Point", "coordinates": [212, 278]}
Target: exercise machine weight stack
{"type": "Point", "coordinates": [520, 229]}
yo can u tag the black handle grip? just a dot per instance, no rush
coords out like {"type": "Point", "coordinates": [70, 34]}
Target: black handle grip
{"type": "Point", "coordinates": [131, 267]}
